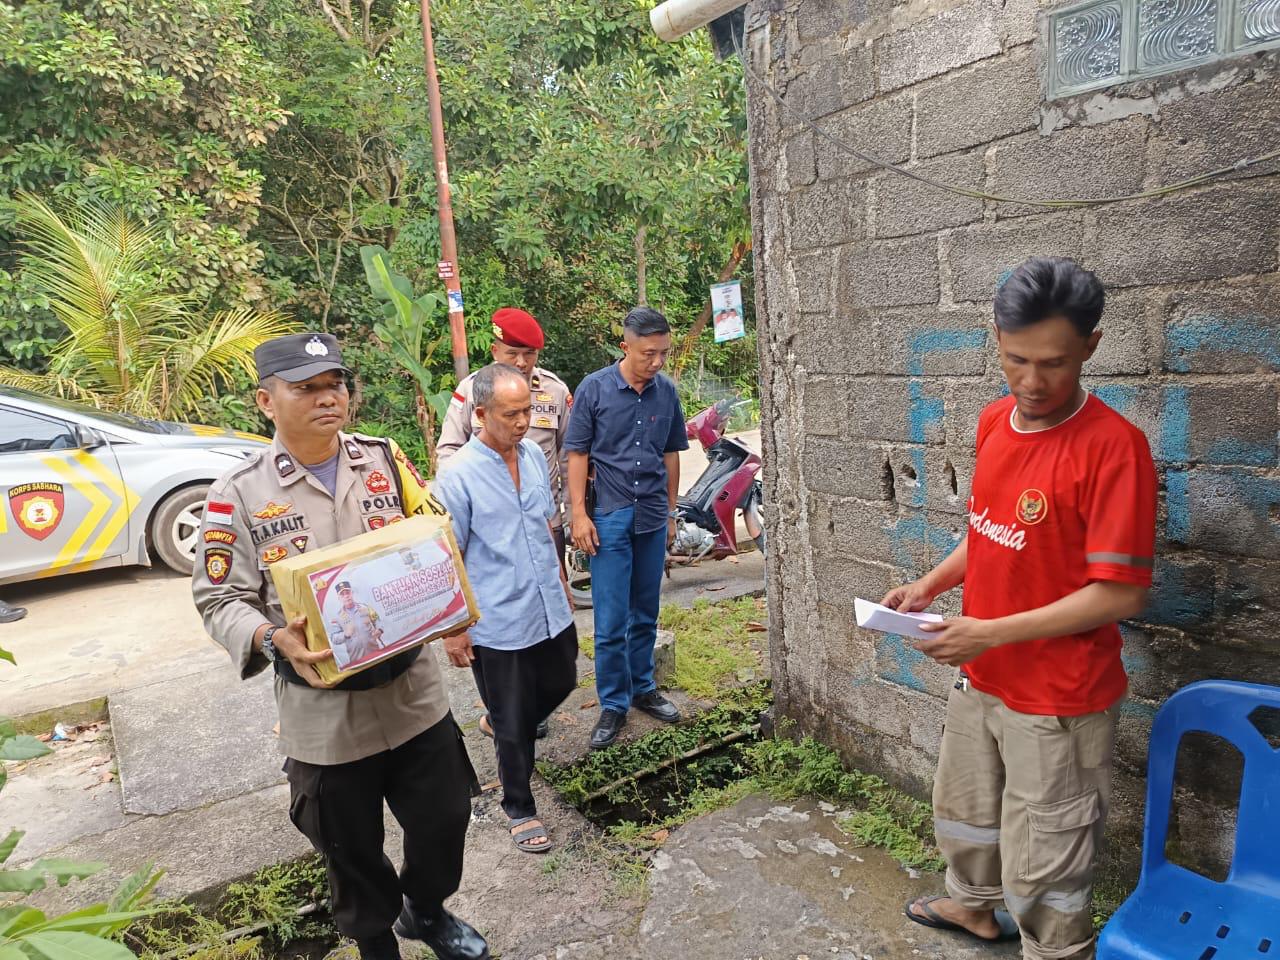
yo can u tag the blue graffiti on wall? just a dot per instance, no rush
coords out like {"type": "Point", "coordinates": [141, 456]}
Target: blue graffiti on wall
{"type": "Point", "coordinates": [1251, 337]}
{"type": "Point", "coordinates": [909, 533]}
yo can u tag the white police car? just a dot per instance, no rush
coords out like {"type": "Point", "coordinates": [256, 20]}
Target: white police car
{"type": "Point", "coordinates": [82, 489]}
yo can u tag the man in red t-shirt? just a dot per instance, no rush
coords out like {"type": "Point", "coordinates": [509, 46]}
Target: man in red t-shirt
{"type": "Point", "coordinates": [1059, 548]}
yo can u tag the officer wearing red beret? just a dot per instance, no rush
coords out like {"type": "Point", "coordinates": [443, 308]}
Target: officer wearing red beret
{"type": "Point", "coordinates": [517, 338]}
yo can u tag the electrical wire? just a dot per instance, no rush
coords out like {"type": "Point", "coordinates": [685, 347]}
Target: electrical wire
{"type": "Point", "coordinates": [978, 194]}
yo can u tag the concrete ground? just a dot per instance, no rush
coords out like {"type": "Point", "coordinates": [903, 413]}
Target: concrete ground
{"type": "Point", "coordinates": [186, 775]}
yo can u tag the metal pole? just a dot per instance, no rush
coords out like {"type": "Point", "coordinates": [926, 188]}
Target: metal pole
{"type": "Point", "coordinates": [448, 266]}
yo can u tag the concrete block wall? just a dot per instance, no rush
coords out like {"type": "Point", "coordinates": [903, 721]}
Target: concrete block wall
{"type": "Point", "coordinates": [874, 302]}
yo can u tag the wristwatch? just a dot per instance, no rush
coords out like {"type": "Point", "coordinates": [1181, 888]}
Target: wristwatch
{"type": "Point", "coordinates": [269, 648]}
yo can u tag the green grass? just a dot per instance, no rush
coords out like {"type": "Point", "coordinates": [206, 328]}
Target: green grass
{"type": "Point", "coordinates": [882, 816]}
{"type": "Point", "coordinates": [74, 714]}
{"type": "Point", "coordinates": [879, 815]}
{"type": "Point", "coordinates": [713, 644]}
{"type": "Point", "coordinates": [272, 896]}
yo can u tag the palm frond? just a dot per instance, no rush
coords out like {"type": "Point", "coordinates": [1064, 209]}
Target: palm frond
{"type": "Point", "coordinates": [48, 384]}
{"type": "Point", "coordinates": [205, 359]}
{"type": "Point", "coordinates": [92, 263]}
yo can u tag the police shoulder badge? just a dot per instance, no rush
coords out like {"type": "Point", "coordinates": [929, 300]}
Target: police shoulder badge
{"type": "Point", "coordinates": [377, 482]}
{"type": "Point", "coordinates": [353, 451]}
{"type": "Point", "coordinates": [1033, 506]}
{"type": "Point", "coordinates": [408, 465]}
{"type": "Point", "coordinates": [284, 465]}
{"type": "Point", "coordinates": [217, 564]}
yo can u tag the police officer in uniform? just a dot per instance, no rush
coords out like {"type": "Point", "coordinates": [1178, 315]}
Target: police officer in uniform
{"type": "Point", "coordinates": [359, 623]}
{"type": "Point", "coordinates": [385, 734]}
{"type": "Point", "coordinates": [517, 340]}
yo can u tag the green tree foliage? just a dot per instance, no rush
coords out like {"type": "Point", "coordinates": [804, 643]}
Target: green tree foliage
{"type": "Point", "coordinates": [269, 140]}
{"type": "Point", "coordinates": [133, 343]}
{"type": "Point", "coordinates": [153, 105]}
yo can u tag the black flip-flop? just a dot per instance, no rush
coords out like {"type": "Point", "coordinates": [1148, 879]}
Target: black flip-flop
{"type": "Point", "coordinates": [1008, 926]}
{"type": "Point", "coordinates": [523, 839]}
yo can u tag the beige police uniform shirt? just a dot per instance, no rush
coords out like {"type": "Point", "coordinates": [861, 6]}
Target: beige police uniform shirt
{"type": "Point", "coordinates": [269, 508]}
{"type": "Point", "coordinates": [552, 402]}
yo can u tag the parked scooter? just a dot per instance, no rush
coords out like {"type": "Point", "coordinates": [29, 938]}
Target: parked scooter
{"type": "Point", "coordinates": [706, 516]}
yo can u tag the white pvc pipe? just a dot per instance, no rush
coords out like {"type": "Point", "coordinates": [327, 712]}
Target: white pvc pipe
{"type": "Point", "coordinates": [674, 18]}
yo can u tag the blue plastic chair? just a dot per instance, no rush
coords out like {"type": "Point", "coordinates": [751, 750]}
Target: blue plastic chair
{"type": "Point", "coordinates": [1176, 914]}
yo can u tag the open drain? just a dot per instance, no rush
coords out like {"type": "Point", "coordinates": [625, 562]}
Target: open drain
{"type": "Point", "coordinates": [662, 775]}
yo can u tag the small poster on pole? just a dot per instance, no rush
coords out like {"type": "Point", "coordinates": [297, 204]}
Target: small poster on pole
{"type": "Point", "coordinates": [726, 311]}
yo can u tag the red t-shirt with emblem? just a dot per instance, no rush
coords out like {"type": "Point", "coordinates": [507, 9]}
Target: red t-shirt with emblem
{"type": "Point", "coordinates": [1050, 512]}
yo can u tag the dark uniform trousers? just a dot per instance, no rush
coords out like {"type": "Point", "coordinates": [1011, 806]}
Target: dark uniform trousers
{"type": "Point", "coordinates": [520, 688]}
{"type": "Point", "coordinates": [428, 782]}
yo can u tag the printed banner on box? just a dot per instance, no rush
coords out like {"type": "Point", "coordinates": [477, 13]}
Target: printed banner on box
{"type": "Point", "coordinates": [726, 311]}
{"type": "Point", "coordinates": [374, 608]}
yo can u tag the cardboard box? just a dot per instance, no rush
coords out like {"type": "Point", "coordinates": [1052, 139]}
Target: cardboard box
{"type": "Point", "coordinates": [378, 594]}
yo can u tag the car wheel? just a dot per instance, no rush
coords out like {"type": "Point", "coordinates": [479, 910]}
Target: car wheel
{"type": "Point", "coordinates": [175, 528]}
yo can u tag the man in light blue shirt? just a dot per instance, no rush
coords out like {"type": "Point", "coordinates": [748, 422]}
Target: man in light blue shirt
{"type": "Point", "coordinates": [523, 651]}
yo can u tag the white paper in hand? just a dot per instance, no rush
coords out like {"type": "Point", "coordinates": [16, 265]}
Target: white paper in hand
{"type": "Point", "coordinates": [875, 617]}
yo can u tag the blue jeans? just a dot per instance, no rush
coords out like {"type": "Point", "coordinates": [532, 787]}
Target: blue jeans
{"type": "Point", "coordinates": [626, 578]}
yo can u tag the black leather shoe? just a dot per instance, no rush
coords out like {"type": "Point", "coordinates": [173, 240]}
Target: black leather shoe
{"type": "Point", "coordinates": [542, 731]}
{"type": "Point", "coordinates": [607, 728]}
{"type": "Point", "coordinates": [656, 705]}
{"type": "Point", "coordinates": [10, 614]}
{"type": "Point", "coordinates": [381, 947]}
{"type": "Point", "coordinates": [447, 936]}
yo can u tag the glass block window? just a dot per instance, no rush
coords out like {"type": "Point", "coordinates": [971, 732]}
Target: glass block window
{"type": "Point", "coordinates": [1104, 42]}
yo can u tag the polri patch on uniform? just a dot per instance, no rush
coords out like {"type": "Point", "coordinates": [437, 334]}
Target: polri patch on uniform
{"type": "Point", "coordinates": [270, 510]}
{"type": "Point", "coordinates": [37, 508]}
{"type": "Point", "coordinates": [377, 523]}
{"type": "Point", "coordinates": [220, 536]}
{"type": "Point", "coordinates": [272, 554]}
{"type": "Point", "coordinates": [353, 451]}
{"type": "Point", "coordinates": [300, 543]}
{"type": "Point", "coordinates": [568, 401]}
{"type": "Point", "coordinates": [285, 465]}
{"type": "Point", "coordinates": [217, 564]}
{"type": "Point", "coordinates": [377, 482]}
{"type": "Point", "coordinates": [216, 512]}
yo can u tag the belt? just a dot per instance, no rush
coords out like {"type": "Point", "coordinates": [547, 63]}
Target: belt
{"type": "Point", "coordinates": [378, 675]}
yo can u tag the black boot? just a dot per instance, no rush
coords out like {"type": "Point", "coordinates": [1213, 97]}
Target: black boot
{"type": "Point", "coordinates": [449, 937]}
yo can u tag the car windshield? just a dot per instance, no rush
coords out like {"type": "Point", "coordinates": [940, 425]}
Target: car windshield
{"type": "Point", "coordinates": [127, 420]}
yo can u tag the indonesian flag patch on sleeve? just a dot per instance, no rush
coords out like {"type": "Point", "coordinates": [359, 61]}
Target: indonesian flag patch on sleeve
{"type": "Point", "coordinates": [216, 512]}
{"type": "Point", "coordinates": [458, 398]}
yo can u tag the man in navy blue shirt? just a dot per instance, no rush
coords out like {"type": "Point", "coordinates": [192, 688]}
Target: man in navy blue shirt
{"type": "Point", "coordinates": [627, 427]}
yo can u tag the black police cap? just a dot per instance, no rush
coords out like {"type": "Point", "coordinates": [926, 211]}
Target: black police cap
{"type": "Point", "coordinates": [298, 356]}
{"type": "Point", "coordinates": [343, 585]}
